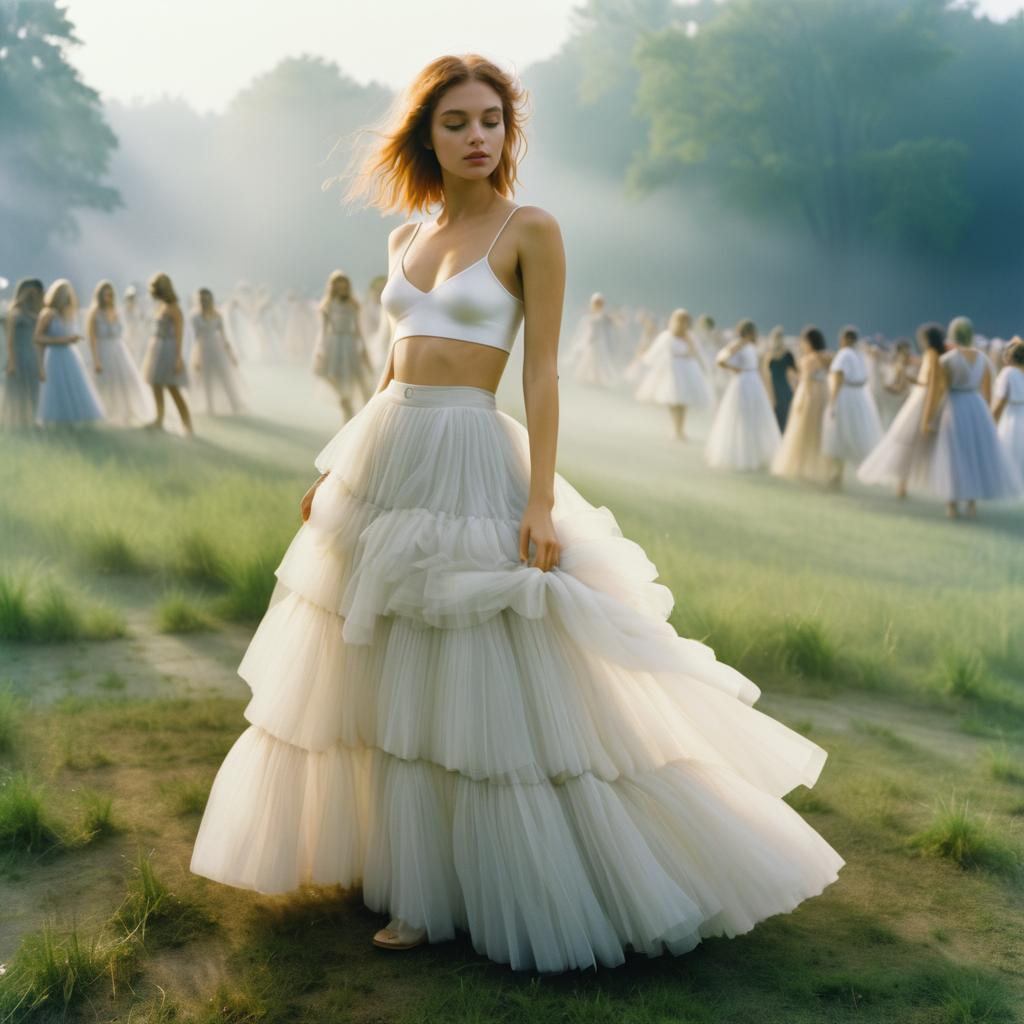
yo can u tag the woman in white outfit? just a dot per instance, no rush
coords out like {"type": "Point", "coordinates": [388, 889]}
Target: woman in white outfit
{"type": "Point", "coordinates": [675, 372]}
{"type": "Point", "coordinates": [1008, 403]}
{"type": "Point", "coordinates": [467, 698]}
{"type": "Point", "coordinates": [851, 426]}
{"type": "Point", "coordinates": [969, 463]}
{"type": "Point", "coordinates": [214, 360]}
{"type": "Point", "coordinates": [745, 434]}
{"type": "Point", "coordinates": [903, 457]}
{"type": "Point", "coordinates": [591, 356]}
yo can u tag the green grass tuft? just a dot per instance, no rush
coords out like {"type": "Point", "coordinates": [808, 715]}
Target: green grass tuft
{"type": "Point", "coordinates": [177, 614]}
{"type": "Point", "coordinates": [957, 835]}
{"type": "Point", "coordinates": [25, 826]}
{"type": "Point", "coordinates": [806, 646]}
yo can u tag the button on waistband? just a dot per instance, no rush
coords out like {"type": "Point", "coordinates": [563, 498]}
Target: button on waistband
{"type": "Point", "coordinates": [408, 392]}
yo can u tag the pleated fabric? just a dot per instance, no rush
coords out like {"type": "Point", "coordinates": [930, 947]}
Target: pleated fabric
{"type": "Point", "coordinates": [535, 758]}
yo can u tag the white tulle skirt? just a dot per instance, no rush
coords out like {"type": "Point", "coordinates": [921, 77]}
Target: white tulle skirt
{"type": "Point", "coordinates": [67, 395]}
{"type": "Point", "coordinates": [535, 758]}
{"type": "Point", "coordinates": [1011, 433]}
{"type": "Point", "coordinates": [127, 398]}
{"type": "Point", "coordinates": [745, 433]}
{"type": "Point", "coordinates": [969, 462]}
{"type": "Point", "coordinates": [676, 380]}
{"type": "Point", "coordinates": [904, 454]}
{"type": "Point", "coordinates": [852, 427]}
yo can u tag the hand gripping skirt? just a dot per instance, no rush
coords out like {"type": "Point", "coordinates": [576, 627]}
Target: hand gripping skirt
{"type": "Point", "coordinates": [535, 758]}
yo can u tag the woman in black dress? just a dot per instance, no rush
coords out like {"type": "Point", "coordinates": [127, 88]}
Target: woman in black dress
{"type": "Point", "coordinates": [781, 369]}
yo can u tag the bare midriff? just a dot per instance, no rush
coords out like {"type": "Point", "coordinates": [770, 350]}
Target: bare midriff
{"type": "Point", "coordinates": [420, 359]}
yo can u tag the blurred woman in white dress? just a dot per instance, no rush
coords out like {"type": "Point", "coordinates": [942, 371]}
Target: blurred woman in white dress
{"type": "Point", "coordinates": [133, 316]}
{"type": "Point", "coordinates": [799, 456]}
{"type": "Point", "coordinates": [340, 358]}
{"type": "Point", "coordinates": [851, 427]}
{"type": "Point", "coordinates": [163, 366]}
{"type": "Point", "coordinates": [126, 398]}
{"type": "Point", "coordinates": [675, 373]}
{"type": "Point", "coordinates": [214, 360]}
{"type": "Point", "coordinates": [969, 464]}
{"type": "Point", "coordinates": [1008, 403]}
{"type": "Point", "coordinates": [591, 356]}
{"type": "Point", "coordinates": [66, 394]}
{"type": "Point", "coordinates": [24, 357]}
{"type": "Point", "coordinates": [903, 457]}
{"type": "Point", "coordinates": [745, 433]}
{"type": "Point", "coordinates": [897, 376]}
{"type": "Point", "coordinates": [648, 331]}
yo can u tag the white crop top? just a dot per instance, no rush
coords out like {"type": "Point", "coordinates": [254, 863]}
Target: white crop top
{"type": "Point", "coordinates": [471, 305]}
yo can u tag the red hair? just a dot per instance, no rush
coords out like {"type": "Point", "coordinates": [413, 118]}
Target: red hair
{"type": "Point", "coordinates": [401, 173]}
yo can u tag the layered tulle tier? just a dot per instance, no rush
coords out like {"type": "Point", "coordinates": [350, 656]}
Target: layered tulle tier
{"type": "Point", "coordinates": [544, 876]}
{"type": "Point", "coordinates": [535, 757]}
{"type": "Point", "coordinates": [904, 453]}
{"type": "Point", "coordinates": [745, 434]}
{"type": "Point", "coordinates": [969, 462]}
{"type": "Point", "coordinates": [851, 427]}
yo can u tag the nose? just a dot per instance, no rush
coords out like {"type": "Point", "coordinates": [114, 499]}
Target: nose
{"type": "Point", "coordinates": [476, 135]}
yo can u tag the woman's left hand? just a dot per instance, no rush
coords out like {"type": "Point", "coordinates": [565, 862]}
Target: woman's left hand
{"type": "Point", "coordinates": [536, 526]}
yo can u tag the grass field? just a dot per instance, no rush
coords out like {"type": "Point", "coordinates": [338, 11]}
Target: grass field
{"type": "Point", "coordinates": [133, 569]}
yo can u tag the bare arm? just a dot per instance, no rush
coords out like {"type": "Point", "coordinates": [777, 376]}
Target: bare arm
{"type": "Point", "coordinates": [835, 382]}
{"type": "Point", "coordinates": [40, 337]}
{"type": "Point", "coordinates": [937, 379]}
{"type": "Point", "coordinates": [542, 263]}
{"type": "Point", "coordinates": [725, 354]}
{"type": "Point", "coordinates": [986, 382]}
{"type": "Point", "coordinates": [90, 333]}
{"type": "Point", "coordinates": [12, 361]}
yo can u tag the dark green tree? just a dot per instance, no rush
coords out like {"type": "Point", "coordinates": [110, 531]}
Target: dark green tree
{"type": "Point", "coordinates": [55, 145]}
{"type": "Point", "coordinates": [780, 106]}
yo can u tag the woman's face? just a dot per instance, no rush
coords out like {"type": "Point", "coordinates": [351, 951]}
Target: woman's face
{"type": "Point", "coordinates": [342, 288]}
{"type": "Point", "coordinates": [106, 296]}
{"type": "Point", "coordinates": [467, 130]}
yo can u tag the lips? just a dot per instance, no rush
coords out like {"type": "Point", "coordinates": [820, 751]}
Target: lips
{"type": "Point", "coordinates": [477, 156]}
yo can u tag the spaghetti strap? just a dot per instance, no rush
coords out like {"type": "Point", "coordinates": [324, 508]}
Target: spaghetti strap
{"type": "Point", "coordinates": [415, 232]}
{"type": "Point", "coordinates": [502, 228]}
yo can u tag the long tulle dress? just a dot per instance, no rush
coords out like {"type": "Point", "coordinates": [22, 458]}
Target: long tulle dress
{"type": "Point", "coordinates": [799, 456]}
{"type": "Point", "coordinates": [159, 366]}
{"type": "Point", "coordinates": [535, 758]}
{"type": "Point", "coordinates": [337, 358]}
{"type": "Point", "coordinates": [969, 463]}
{"type": "Point", "coordinates": [126, 398]}
{"type": "Point", "coordinates": [591, 354]}
{"type": "Point", "coordinates": [66, 395]}
{"type": "Point", "coordinates": [213, 366]}
{"type": "Point", "coordinates": [21, 388]}
{"type": "Point", "coordinates": [1010, 385]}
{"type": "Point", "coordinates": [851, 427]}
{"type": "Point", "coordinates": [745, 434]}
{"type": "Point", "coordinates": [674, 375]}
{"type": "Point", "coordinates": [903, 456]}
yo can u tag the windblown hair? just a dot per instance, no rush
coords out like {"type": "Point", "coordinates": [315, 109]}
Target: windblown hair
{"type": "Point", "coordinates": [61, 294]}
{"type": "Point", "coordinates": [747, 329]}
{"type": "Point", "coordinates": [26, 287]}
{"type": "Point", "coordinates": [961, 331]}
{"type": "Point", "coordinates": [98, 291]}
{"type": "Point", "coordinates": [400, 174]}
{"type": "Point", "coordinates": [1015, 353]}
{"type": "Point", "coordinates": [813, 336]}
{"type": "Point", "coordinates": [932, 336]}
{"type": "Point", "coordinates": [160, 287]}
{"type": "Point", "coordinates": [337, 275]}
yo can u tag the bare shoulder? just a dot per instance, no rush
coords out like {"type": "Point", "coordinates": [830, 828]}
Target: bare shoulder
{"type": "Point", "coordinates": [398, 235]}
{"type": "Point", "coordinates": [533, 221]}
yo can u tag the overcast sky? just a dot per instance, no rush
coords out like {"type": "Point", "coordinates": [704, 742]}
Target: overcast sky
{"type": "Point", "coordinates": [206, 50]}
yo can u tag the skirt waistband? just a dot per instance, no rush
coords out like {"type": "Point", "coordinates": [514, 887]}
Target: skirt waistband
{"type": "Point", "coordinates": [439, 395]}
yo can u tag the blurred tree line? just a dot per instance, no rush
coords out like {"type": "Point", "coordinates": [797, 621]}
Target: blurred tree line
{"type": "Point", "coordinates": [863, 135]}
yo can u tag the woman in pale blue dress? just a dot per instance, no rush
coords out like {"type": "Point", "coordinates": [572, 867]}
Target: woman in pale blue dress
{"type": "Point", "coordinates": [164, 363]}
{"type": "Point", "coordinates": [66, 394]}
{"type": "Point", "coordinates": [968, 463]}
{"type": "Point", "coordinates": [214, 360]}
{"type": "Point", "coordinates": [21, 379]}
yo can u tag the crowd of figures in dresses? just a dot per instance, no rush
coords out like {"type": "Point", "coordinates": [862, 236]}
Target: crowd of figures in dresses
{"type": "Point", "coordinates": [115, 361]}
{"type": "Point", "coordinates": [941, 415]}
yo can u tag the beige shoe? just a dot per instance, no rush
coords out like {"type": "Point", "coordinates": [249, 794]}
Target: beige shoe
{"type": "Point", "coordinates": [399, 935]}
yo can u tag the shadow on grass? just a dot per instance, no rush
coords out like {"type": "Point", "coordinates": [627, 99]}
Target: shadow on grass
{"type": "Point", "coordinates": [836, 963]}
